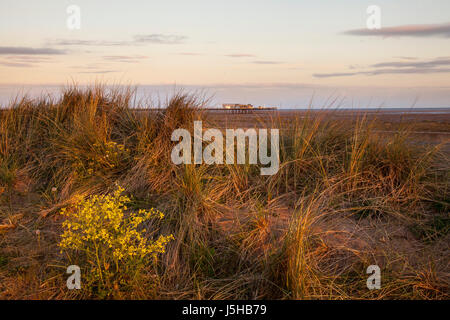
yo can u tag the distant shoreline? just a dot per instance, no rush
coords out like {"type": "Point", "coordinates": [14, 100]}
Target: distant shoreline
{"type": "Point", "coordinates": [285, 99]}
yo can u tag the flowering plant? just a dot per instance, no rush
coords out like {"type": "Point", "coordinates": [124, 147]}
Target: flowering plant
{"type": "Point", "coordinates": [110, 239]}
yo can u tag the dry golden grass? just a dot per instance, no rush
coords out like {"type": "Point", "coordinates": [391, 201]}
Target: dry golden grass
{"type": "Point", "coordinates": [345, 197]}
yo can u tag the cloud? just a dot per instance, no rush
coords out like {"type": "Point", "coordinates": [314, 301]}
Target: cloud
{"type": "Point", "coordinates": [383, 71]}
{"type": "Point", "coordinates": [94, 68]}
{"type": "Point", "coordinates": [354, 66]}
{"type": "Point", "coordinates": [156, 38]}
{"type": "Point", "coordinates": [418, 30]}
{"type": "Point", "coordinates": [266, 62]}
{"type": "Point", "coordinates": [438, 65]}
{"type": "Point", "coordinates": [240, 55]}
{"type": "Point", "coordinates": [29, 59]}
{"type": "Point", "coordinates": [406, 58]}
{"type": "Point", "coordinates": [160, 38]}
{"type": "Point", "coordinates": [336, 74]}
{"type": "Point", "coordinates": [78, 42]}
{"type": "Point", "coordinates": [24, 61]}
{"type": "Point", "coordinates": [16, 64]}
{"type": "Point", "coordinates": [126, 59]}
{"type": "Point", "coordinates": [419, 64]}
{"type": "Point", "coordinates": [30, 51]}
{"type": "Point", "coordinates": [408, 71]}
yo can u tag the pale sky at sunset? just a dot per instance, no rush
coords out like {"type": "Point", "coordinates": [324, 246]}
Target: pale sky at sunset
{"type": "Point", "coordinates": [263, 52]}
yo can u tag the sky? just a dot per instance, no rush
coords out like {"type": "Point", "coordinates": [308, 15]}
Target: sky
{"type": "Point", "coordinates": [280, 52]}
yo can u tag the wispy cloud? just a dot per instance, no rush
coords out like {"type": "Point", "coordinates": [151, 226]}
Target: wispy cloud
{"type": "Point", "coordinates": [354, 66]}
{"type": "Point", "coordinates": [155, 38]}
{"type": "Point", "coordinates": [160, 38]}
{"type": "Point", "coordinates": [406, 58]}
{"type": "Point", "coordinates": [91, 66]}
{"type": "Point", "coordinates": [16, 64]}
{"type": "Point", "coordinates": [30, 51]}
{"type": "Point", "coordinates": [78, 42]}
{"type": "Point", "coordinates": [30, 59]}
{"type": "Point", "coordinates": [415, 64]}
{"type": "Point", "coordinates": [438, 65]}
{"type": "Point", "coordinates": [418, 30]}
{"type": "Point", "coordinates": [126, 59]}
{"type": "Point", "coordinates": [94, 68]}
{"type": "Point", "coordinates": [383, 71]}
{"type": "Point", "coordinates": [240, 55]}
{"type": "Point", "coordinates": [266, 62]}
{"type": "Point", "coordinates": [335, 74]}
{"type": "Point", "coordinates": [24, 61]}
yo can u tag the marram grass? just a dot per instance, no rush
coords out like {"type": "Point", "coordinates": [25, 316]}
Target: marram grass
{"type": "Point", "coordinates": [345, 197]}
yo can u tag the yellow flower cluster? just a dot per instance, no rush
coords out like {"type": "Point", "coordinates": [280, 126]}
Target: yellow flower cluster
{"type": "Point", "coordinates": [103, 229]}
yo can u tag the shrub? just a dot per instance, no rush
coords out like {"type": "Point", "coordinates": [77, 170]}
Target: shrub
{"type": "Point", "coordinates": [103, 158]}
{"type": "Point", "coordinates": [110, 240]}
